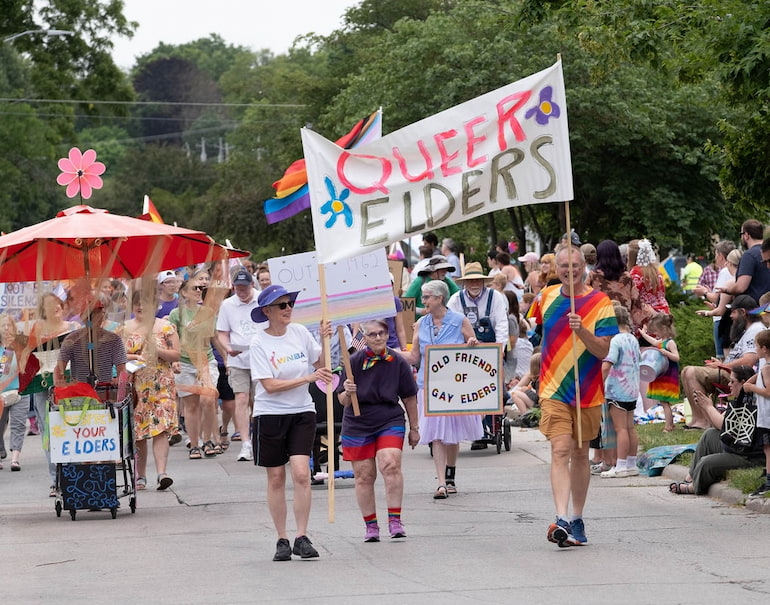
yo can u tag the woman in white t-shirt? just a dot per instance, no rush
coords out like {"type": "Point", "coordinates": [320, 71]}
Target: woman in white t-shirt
{"type": "Point", "coordinates": [285, 359]}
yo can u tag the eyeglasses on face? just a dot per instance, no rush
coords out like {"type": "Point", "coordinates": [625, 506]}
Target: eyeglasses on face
{"type": "Point", "coordinates": [380, 334]}
{"type": "Point", "coordinates": [425, 297]}
{"type": "Point", "coordinates": [282, 305]}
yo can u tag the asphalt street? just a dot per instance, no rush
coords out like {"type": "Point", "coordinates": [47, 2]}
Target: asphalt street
{"type": "Point", "coordinates": [209, 539]}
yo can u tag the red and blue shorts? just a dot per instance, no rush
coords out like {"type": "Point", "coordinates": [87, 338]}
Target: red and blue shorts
{"type": "Point", "coordinates": [364, 447]}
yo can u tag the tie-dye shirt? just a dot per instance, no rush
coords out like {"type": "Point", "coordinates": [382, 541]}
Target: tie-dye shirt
{"type": "Point", "coordinates": [557, 375]}
{"type": "Point", "coordinates": [623, 380]}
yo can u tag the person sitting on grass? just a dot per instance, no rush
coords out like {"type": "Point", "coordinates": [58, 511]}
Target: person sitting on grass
{"type": "Point", "coordinates": [712, 458]}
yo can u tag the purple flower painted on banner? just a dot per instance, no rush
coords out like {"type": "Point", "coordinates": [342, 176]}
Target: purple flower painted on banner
{"type": "Point", "coordinates": [545, 109]}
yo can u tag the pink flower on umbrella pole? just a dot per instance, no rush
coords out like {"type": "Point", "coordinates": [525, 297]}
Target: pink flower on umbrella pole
{"type": "Point", "coordinates": [80, 173]}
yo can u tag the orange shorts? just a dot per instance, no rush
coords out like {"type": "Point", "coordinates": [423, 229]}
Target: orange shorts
{"type": "Point", "coordinates": [558, 418]}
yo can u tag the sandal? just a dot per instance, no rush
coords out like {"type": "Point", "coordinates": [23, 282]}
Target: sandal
{"type": "Point", "coordinates": [441, 493]}
{"type": "Point", "coordinates": [450, 487]}
{"type": "Point", "coordinates": [224, 443]}
{"type": "Point", "coordinates": [141, 483]}
{"type": "Point", "coordinates": [15, 466]}
{"type": "Point", "coordinates": [164, 482]}
{"type": "Point", "coordinates": [218, 449]}
{"type": "Point", "coordinates": [52, 493]}
{"type": "Point", "coordinates": [222, 431]}
{"type": "Point", "coordinates": [236, 436]}
{"type": "Point", "coordinates": [683, 487]}
{"type": "Point", "coordinates": [208, 450]}
{"type": "Point", "coordinates": [195, 453]}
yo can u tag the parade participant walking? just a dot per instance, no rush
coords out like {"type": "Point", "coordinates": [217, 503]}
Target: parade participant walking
{"type": "Point", "coordinates": [374, 439]}
{"type": "Point", "coordinates": [443, 433]}
{"type": "Point", "coordinates": [235, 329]}
{"type": "Point", "coordinates": [153, 344]}
{"type": "Point", "coordinates": [582, 337]}
{"type": "Point", "coordinates": [194, 323]}
{"type": "Point", "coordinates": [15, 406]}
{"type": "Point", "coordinates": [285, 359]}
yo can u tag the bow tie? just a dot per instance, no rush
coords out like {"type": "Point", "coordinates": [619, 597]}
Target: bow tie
{"type": "Point", "coordinates": [372, 358]}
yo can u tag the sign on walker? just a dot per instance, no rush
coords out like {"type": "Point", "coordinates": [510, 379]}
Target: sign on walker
{"type": "Point", "coordinates": [463, 380]}
{"type": "Point", "coordinates": [94, 439]}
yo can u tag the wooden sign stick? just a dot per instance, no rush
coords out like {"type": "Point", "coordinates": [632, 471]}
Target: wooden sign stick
{"type": "Point", "coordinates": [574, 336]}
{"type": "Point", "coordinates": [331, 444]}
{"type": "Point", "coordinates": [348, 369]}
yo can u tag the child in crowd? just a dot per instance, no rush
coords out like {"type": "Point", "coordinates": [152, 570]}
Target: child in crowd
{"type": "Point", "coordinates": [620, 370]}
{"type": "Point", "coordinates": [660, 333]}
{"type": "Point", "coordinates": [522, 352]}
{"type": "Point", "coordinates": [524, 394]}
{"type": "Point", "coordinates": [759, 384]}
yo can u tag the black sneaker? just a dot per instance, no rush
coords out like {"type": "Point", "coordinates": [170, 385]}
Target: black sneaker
{"type": "Point", "coordinates": [764, 489]}
{"type": "Point", "coordinates": [282, 550]}
{"type": "Point", "coordinates": [304, 548]}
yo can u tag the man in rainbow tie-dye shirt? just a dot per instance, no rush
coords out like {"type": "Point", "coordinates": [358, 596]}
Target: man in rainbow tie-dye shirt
{"type": "Point", "coordinates": [583, 336]}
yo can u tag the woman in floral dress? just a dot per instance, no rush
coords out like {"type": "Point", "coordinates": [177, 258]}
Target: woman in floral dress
{"type": "Point", "coordinates": [155, 415]}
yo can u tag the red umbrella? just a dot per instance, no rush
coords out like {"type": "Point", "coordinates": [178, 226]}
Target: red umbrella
{"type": "Point", "coordinates": [83, 241]}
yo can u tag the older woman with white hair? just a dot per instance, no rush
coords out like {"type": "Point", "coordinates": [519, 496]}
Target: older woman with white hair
{"type": "Point", "coordinates": [439, 325]}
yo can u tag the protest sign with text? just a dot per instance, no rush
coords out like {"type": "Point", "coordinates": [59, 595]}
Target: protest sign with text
{"type": "Point", "coordinates": [463, 380]}
{"type": "Point", "coordinates": [357, 288]}
{"type": "Point", "coordinates": [508, 147]}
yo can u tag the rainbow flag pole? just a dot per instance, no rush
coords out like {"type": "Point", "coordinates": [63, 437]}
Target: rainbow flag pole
{"type": "Point", "coordinates": [292, 195]}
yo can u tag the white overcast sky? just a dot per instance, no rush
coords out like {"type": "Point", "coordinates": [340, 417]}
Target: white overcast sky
{"type": "Point", "coordinates": [255, 24]}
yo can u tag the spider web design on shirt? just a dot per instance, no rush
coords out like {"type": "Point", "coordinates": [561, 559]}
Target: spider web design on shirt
{"type": "Point", "coordinates": [740, 423]}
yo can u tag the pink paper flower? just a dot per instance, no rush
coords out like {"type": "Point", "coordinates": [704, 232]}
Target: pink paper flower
{"type": "Point", "coordinates": [80, 173]}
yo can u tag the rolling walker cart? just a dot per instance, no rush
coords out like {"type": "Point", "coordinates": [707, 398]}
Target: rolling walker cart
{"type": "Point", "coordinates": [92, 444]}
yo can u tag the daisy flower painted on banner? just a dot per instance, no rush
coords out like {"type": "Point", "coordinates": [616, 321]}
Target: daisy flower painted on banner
{"type": "Point", "coordinates": [80, 173]}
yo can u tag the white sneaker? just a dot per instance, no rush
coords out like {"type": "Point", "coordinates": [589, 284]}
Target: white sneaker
{"type": "Point", "coordinates": [614, 473]}
{"type": "Point", "coordinates": [632, 472]}
{"type": "Point", "coordinates": [246, 453]}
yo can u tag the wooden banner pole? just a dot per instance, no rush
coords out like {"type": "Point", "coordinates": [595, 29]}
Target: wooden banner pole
{"type": "Point", "coordinates": [331, 444]}
{"type": "Point", "coordinates": [574, 336]}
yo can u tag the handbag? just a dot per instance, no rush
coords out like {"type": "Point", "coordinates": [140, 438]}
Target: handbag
{"type": "Point", "coordinates": [11, 397]}
{"type": "Point", "coordinates": [740, 423]}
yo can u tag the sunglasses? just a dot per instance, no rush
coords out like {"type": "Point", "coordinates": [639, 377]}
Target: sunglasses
{"type": "Point", "coordinates": [199, 288]}
{"type": "Point", "coordinates": [282, 305]}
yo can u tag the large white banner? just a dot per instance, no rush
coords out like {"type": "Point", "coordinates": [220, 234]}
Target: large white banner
{"type": "Point", "coordinates": [506, 148]}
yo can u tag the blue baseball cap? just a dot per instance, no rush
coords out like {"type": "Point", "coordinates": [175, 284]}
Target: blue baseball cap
{"type": "Point", "coordinates": [267, 297]}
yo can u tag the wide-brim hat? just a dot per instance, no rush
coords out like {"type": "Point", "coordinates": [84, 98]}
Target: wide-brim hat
{"type": "Point", "coordinates": [473, 271]}
{"type": "Point", "coordinates": [267, 297]}
{"type": "Point", "coordinates": [436, 262]}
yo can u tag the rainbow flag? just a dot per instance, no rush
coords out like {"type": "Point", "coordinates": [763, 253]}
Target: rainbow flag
{"type": "Point", "coordinates": [150, 210]}
{"type": "Point", "coordinates": [291, 191]}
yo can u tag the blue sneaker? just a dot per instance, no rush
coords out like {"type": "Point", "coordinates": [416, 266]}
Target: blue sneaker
{"type": "Point", "coordinates": [559, 533]}
{"type": "Point", "coordinates": [578, 531]}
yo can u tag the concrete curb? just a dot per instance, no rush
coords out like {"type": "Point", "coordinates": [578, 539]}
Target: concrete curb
{"type": "Point", "coordinates": [722, 491]}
